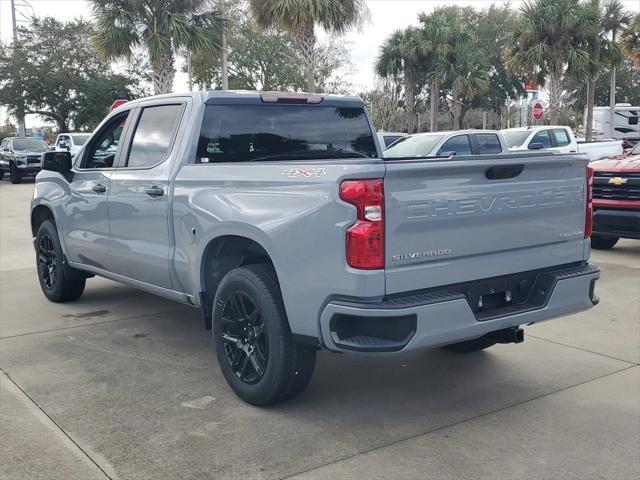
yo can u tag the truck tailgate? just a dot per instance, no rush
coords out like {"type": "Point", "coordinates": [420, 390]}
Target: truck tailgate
{"type": "Point", "coordinates": [451, 221]}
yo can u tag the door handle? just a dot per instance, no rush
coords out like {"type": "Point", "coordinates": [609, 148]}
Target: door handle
{"type": "Point", "coordinates": [98, 188]}
{"type": "Point", "coordinates": [503, 172]}
{"type": "Point", "coordinates": [154, 191]}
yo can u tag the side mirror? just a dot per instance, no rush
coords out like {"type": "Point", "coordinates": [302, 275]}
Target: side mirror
{"type": "Point", "coordinates": [536, 146]}
{"type": "Point", "coordinates": [57, 162]}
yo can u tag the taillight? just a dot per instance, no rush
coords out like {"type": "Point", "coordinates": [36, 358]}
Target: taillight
{"type": "Point", "coordinates": [588, 221]}
{"type": "Point", "coordinates": [365, 238]}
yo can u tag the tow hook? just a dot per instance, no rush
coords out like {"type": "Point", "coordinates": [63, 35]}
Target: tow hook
{"type": "Point", "coordinates": [509, 335]}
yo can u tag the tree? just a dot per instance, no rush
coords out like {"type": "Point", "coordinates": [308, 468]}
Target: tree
{"type": "Point", "coordinates": [161, 27]}
{"type": "Point", "coordinates": [400, 59]}
{"type": "Point", "coordinates": [300, 17]}
{"type": "Point", "coordinates": [383, 104]}
{"type": "Point", "coordinates": [268, 59]}
{"type": "Point", "coordinates": [630, 41]}
{"type": "Point", "coordinates": [492, 29]}
{"type": "Point", "coordinates": [614, 20]}
{"type": "Point", "coordinates": [52, 71]}
{"type": "Point", "coordinates": [543, 46]}
{"type": "Point", "coordinates": [440, 32]}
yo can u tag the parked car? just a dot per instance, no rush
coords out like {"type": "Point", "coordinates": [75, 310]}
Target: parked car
{"type": "Point", "coordinates": [387, 139]}
{"type": "Point", "coordinates": [457, 142]}
{"type": "Point", "coordinates": [558, 139]}
{"type": "Point", "coordinates": [71, 142]}
{"type": "Point", "coordinates": [616, 199]}
{"type": "Point", "coordinates": [277, 216]}
{"type": "Point", "coordinates": [20, 157]}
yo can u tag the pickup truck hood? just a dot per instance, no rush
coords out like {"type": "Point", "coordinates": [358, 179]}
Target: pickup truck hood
{"type": "Point", "coordinates": [618, 164]}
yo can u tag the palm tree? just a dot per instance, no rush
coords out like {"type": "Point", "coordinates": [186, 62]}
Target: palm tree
{"type": "Point", "coordinates": [300, 17]}
{"type": "Point", "coordinates": [399, 58]}
{"type": "Point", "coordinates": [630, 41]}
{"type": "Point", "coordinates": [602, 52]}
{"type": "Point", "coordinates": [440, 32]}
{"type": "Point", "coordinates": [543, 45]}
{"type": "Point", "coordinates": [159, 26]}
{"type": "Point", "coordinates": [614, 20]}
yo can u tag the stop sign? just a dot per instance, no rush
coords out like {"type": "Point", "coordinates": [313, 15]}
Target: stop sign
{"type": "Point", "coordinates": [537, 111]}
{"type": "Point", "coordinates": [117, 103]}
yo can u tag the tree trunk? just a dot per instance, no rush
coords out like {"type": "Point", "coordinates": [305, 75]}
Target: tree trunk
{"type": "Point", "coordinates": [410, 99]}
{"type": "Point", "coordinates": [163, 71]}
{"type": "Point", "coordinates": [306, 40]}
{"type": "Point", "coordinates": [554, 97]}
{"type": "Point", "coordinates": [435, 100]}
{"type": "Point", "coordinates": [612, 104]}
{"type": "Point", "coordinates": [588, 122]}
{"type": "Point", "coordinates": [456, 106]}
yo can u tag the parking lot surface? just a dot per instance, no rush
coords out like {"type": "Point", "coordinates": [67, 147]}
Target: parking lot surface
{"type": "Point", "coordinates": [122, 384]}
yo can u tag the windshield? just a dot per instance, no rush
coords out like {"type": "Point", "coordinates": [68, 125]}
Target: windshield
{"type": "Point", "coordinates": [515, 138]}
{"type": "Point", "coordinates": [33, 144]}
{"type": "Point", "coordinates": [415, 146]}
{"type": "Point", "coordinates": [245, 133]}
{"type": "Point", "coordinates": [80, 138]}
{"type": "Point", "coordinates": [636, 150]}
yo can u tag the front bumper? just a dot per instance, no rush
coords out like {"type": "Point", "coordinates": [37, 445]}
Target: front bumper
{"type": "Point", "coordinates": [28, 169]}
{"type": "Point", "coordinates": [617, 223]}
{"type": "Point", "coordinates": [443, 317]}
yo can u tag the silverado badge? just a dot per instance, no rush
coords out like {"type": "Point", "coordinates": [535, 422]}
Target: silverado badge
{"type": "Point", "coordinates": [618, 181]}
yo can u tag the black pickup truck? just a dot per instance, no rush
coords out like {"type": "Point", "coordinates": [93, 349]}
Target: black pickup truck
{"type": "Point", "coordinates": [20, 157]}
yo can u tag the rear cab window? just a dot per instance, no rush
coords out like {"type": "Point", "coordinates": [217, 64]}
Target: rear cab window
{"type": "Point", "coordinates": [488, 143]}
{"type": "Point", "coordinates": [154, 135]}
{"type": "Point", "coordinates": [562, 137]}
{"type": "Point", "coordinates": [280, 132]}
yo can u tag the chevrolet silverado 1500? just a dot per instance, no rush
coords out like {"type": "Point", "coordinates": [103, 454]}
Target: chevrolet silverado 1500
{"type": "Point", "coordinates": [277, 216]}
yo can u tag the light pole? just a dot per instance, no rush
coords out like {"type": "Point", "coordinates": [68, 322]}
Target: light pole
{"type": "Point", "coordinates": [20, 114]}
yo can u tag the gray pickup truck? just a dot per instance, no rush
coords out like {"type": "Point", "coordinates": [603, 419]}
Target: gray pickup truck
{"type": "Point", "coordinates": [276, 215]}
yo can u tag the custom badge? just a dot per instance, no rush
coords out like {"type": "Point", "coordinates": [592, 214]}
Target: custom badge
{"type": "Point", "coordinates": [304, 172]}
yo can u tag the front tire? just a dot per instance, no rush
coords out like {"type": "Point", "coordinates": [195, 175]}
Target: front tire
{"type": "Point", "coordinates": [59, 282]}
{"type": "Point", "coordinates": [14, 174]}
{"type": "Point", "coordinates": [603, 243]}
{"type": "Point", "coordinates": [254, 345]}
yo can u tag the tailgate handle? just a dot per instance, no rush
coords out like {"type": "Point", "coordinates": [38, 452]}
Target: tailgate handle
{"type": "Point", "coordinates": [504, 171]}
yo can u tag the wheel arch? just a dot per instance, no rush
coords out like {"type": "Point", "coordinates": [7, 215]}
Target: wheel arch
{"type": "Point", "coordinates": [39, 214]}
{"type": "Point", "coordinates": [221, 255]}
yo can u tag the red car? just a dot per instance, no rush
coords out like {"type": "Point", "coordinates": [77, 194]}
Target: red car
{"type": "Point", "coordinates": [616, 199]}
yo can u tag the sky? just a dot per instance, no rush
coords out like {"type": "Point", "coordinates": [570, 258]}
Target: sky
{"type": "Point", "coordinates": [386, 16]}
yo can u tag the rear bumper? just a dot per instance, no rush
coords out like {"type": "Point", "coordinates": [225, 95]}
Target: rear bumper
{"type": "Point", "coordinates": [443, 317]}
{"type": "Point", "coordinates": [617, 223]}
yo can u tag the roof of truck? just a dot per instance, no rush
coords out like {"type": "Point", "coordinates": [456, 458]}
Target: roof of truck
{"type": "Point", "coordinates": [232, 96]}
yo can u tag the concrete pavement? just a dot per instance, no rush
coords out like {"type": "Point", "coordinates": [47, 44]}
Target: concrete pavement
{"type": "Point", "coordinates": [122, 384]}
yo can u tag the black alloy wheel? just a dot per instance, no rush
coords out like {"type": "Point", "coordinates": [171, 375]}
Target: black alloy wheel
{"type": "Point", "coordinates": [47, 261]}
{"type": "Point", "coordinates": [245, 340]}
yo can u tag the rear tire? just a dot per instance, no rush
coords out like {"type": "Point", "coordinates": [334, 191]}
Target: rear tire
{"type": "Point", "coordinates": [59, 282]}
{"type": "Point", "coordinates": [603, 243]}
{"type": "Point", "coordinates": [254, 345]}
{"type": "Point", "coordinates": [470, 346]}
{"type": "Point", "coordinates": [14, 175]}
{"type": "Point", "coordinates": [1, 174]}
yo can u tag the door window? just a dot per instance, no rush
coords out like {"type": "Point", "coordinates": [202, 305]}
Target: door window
{"type": "Point", "coordinates": [542, 137]}
{"type": "Point", "coordinates": [458, 144]}
{"type": "Point", "coordinates": [488, 143]}
{"type": "Point", "coordinates": [562, 138]}
{"type": "Point", "coordinates": [103, 149]}
{"type": "Point", "coordinates": [154, 135]}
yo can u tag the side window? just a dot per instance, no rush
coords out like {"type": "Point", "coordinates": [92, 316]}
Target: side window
{"type": "Point", "coordinates": [488, 143]}
{"type": "Point", "coordinates": [5, 145]}
{"type": "Point", "coordinates": [154, 135]}
{"type": "Point", "coordinates": [103, 149]}
{"type": "Point", "coordinates": [459, 144]}
{"type": "Point", "coordinates": [542, 137]}
{"type": "Point", "coordinates": [389, 139]}
{"type": "Point", "coordinates": [562, 137]}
